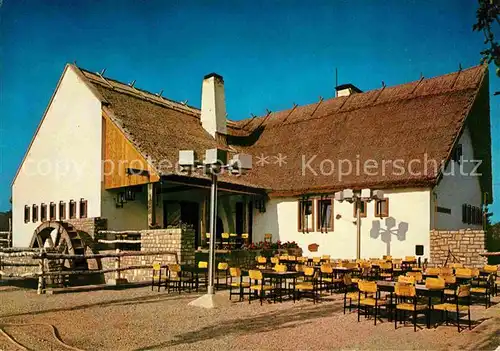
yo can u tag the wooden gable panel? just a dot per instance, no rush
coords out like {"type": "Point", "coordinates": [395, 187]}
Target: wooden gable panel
{"type": "Point", "coordinates": [119, 155]}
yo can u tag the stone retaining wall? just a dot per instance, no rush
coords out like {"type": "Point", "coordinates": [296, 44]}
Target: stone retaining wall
{"type": "Point", "coordinates": [179, 241]}
{"type": "Point", "coordinates": [466, 245]}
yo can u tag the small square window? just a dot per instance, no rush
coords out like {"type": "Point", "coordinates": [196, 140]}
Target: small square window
{"type": "Point", "coordinates": [34, 214]}
{"type": "Point", "coordinates": [43, 212]}
{"type": "Point", "coordinates": [382, 208]}
{"type": "Point", "coordinates": [52, 211]}
{"type": "Point", "coordinates": [62, 210]}
{"type": "Point", "coordinates": [363, 208]}
{"type": "Point", "coordinates": [26, 214]}
{"type": "Point", "coordinates": [83, 208]}
{"type": "Point", "coordinates": [72, 209]}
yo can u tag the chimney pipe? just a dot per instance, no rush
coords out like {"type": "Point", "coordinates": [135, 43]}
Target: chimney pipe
{"type": "Point", "coordinates": [213, 104]}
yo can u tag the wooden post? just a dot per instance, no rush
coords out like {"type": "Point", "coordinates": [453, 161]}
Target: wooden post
{"type": "Point", "coordinates": [9, 236]}
{"type": "Point", "coordinates": [41, 279]}
{"type": "Point", "coordinates": [151, 205]}
{"type": "Point", "coordinates": [117, 266]}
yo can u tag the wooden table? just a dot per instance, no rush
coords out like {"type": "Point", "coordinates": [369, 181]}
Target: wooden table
{"type": "Point", "coordinates": [278, 277]}
{"type": "Point", "coordinates": [421, 289]}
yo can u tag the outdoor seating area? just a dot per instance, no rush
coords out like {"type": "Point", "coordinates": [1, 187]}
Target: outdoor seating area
{"type": "Point", "coordinates": [397, 290]}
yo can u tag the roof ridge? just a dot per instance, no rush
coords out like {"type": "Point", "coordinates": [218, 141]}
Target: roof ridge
{"type": "Point", "coordinates": [373, 103]}
{"type": "Point", "coordinates": [110, 83]}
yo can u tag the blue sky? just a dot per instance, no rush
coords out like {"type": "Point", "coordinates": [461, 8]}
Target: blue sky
{"type": "Point", "coordinates": [271, 53]}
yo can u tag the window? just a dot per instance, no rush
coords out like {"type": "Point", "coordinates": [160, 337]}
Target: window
{"type": "Point", "coordinates": [382, 208]}
{"type": "Point", "coordinates": [443, 210]}
{"type": "Point", "coordinates": [26, 214]}
{"type": "Point", "coordinates": [43, 212]}
{"type": "Point", "coordinates": [52, 211]}
{"type": "Point", "coordinates": [72, 209]}
{"type": "Point", "coordinates": [363, 205]}
{"type": "Point", "coordinates": [305, 218]}
{"type": "Point", "coordinates": [472, 214]}
{"type": "Point", "coordinates": [83, 208]}
{"type": "Point", "coordinates": [325, 215]}
{"type": "Point", "coordinates": [34, 214]}
{"type": "Point", "coordinates": [457, 154]}
{"type": "Point", "coordinates": [62, 210]}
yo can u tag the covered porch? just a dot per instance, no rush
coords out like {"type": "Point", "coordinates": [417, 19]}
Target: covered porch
{"type": "Point", "coordinates": [177, 201]}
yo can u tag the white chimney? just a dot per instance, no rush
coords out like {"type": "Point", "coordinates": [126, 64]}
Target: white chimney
{"type": "Point", "coordinates": [346, 90]}
{"type": "Point", "coordinates": [213, 104]}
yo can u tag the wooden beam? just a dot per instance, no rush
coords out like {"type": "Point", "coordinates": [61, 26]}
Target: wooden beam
{"type": "Point", "coordinates": [151, 205]}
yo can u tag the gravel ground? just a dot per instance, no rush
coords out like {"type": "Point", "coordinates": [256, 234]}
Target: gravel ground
{"type": "Point", "coordinates": [137, 318]}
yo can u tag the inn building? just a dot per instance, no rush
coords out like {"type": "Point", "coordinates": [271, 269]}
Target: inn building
{"type": "Point", "coordinates": [105, 152]}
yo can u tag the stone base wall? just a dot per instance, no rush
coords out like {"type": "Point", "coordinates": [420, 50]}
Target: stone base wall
{"type": "Point", "coordinates": [179, 241]}
{"type": "Point", "coordinates": [466, 245]}
{"type": "Point", "coordinates": [89, 226]}
{"type": "Point", "coordinates": [176, 240]}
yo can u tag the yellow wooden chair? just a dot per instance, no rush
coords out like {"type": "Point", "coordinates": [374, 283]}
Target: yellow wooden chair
{"type": "Point", "coordinates": [236, 281]}
{"type": "Point", "coordinates": [464, 273]}
{"type": "Point", "coordinates": [385, 270]}
{"type": "Point", "coordinates": [222, 273]}
{"type": "Point", "coordinates": [245, 237]}
{"type": "Point", "coordinates": [316, 260]}
{"type": "Point", "coordinates": [261, 262]}
{"type": "Point", "coordinates": [418, 275]}
{"type": "Point", "coordinates": [275, 260]}
{"type": "Point", "coordinates": [435, 283]}
{"type": "Point", "coordinates": [433, 271]}
{"type": "Point", "coordinates": [406, 300]}
{"type": "Point", "coordinates": [445, 271]}
{"type": "Point", "coordinates": [259, 286]}
{"type": "Point", "coordinates": [451, 284]}
{"type": "Point", "coordinates": [327, 278]}
{"type": "Point", "coordinates": [369, 299]}
{"type": "Point", "coordinates": [485, 291]}
{"type": "Point", "coordinates": [406, 279]}
{"type": "Point", "coordinates": [225, 239]}
{"type": "Point", "coordinates": [350, 292]}
{"type": "Point", "coordinates": [308, 286]}
{"type": "Point", "coordinates": [176, 280]}
{"type": "Point", "coordinates": [462, 294]}
{"type": "Point", "coordinates": [280, 268]}
{"type": "Point", "coordinates": [156, 276]}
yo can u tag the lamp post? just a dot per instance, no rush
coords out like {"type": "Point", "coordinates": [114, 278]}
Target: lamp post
{"type": "Point", "coordinates": [215, 161]}
{"type": "Point", "coordinates": [357, 197]}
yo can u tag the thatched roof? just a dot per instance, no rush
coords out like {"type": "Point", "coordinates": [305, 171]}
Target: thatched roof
{"type": "Point", "coordinates": [403, 122]}
{"type": "Point", "coordinates": [418, 120]}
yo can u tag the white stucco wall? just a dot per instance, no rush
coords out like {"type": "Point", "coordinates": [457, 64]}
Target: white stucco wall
{"type": "Point", "coordinates": [457, 187]}
{"type": "Point", "coordinates": [409, 212]}
{"type": "Point", "coordinates": [64, 161]}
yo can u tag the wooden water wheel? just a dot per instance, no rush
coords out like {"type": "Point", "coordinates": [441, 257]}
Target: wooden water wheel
{"type": "Point", "coordinates": [63, 238]}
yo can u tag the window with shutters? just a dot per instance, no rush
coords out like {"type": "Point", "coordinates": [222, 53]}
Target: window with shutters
{"type": "Point", "coordinates": [305, 220]}
{"type": "Point", "coordinates": [382, 208]}
{"type": "Point", "coordinates": [34, 213]}
{"type": "Point", "coordinates": [43, 212]}
{"type": "Point", "coordinates": [52, 211]}
{"type": "Point", "coordinates": [72, 209]}
{"type": "Point", "coordinates": [324, 217]}
{"type": "Point", "coordinates": [26, 214]}
{"type": "Point", "coordinates": [62, 210]}
{"type": "Point", "coordinates": [363, 208]}
{"type": "Point", "coordinates": [83, 208]}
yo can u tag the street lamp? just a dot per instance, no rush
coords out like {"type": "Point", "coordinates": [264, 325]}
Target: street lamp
{"type": "Point", "coordinates": [358, 197]}
{"type": "Point", "coordinates": [215, 161]}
